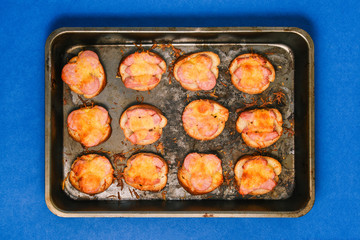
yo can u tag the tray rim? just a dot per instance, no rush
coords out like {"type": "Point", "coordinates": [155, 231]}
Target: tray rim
{"type": "Point", "coordinates": [147, 214]}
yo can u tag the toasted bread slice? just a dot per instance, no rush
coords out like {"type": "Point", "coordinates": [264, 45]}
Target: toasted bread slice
{"type": "Point", "coordinates": [91, 174]}
{"type": "Point", "coordinates": [197, 71]}
{"type": "Point", "coordinates": [204, 119]}
{"type": "Point", "coordinates": [146, 172]}
{"type": "Point", "coordinates": [260, 128]}
{"type": "Point", "coordinates": [200, 173]}
{"type": "Point", "coordinates": [142, 124]}
{"type": "Point", "coordinates": [89, 126]}
{"type": "Point", "coordinates": [142, 71]}
{"type": "Point", "coordinates": [251, 73]}
{"type": "Point", "coordinates": [84, 74]}
{"type": "Point", "coordinates": [256, 175]}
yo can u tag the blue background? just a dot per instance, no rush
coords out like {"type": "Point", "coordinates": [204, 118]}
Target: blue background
{"type": "Point", "coordinates": [335, 28]}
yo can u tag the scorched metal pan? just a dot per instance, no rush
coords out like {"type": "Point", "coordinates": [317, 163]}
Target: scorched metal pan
{"type": "Point", "coordinates": [290, 50]}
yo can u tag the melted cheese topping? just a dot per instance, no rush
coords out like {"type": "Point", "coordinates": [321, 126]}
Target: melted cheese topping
{"type": "Point", "coordinates": [203, 166]}
{"type": "Point", "coordinates": [197, 68]}
{"type": "Point", "coordinates": [92, 173]}
{"type": "Point", "coordinates": [141, 67]}
{"type": "Point", "coordinates": [251, 74]}
{"type": "Point", "coordinates": [263, 121]}
{"type": "Point", "coordinates": [202, 108]}
{"type": "Point", "coordinates": [97, 166]}
{"type": "Point", "coordinates": [88, 122]}
{"type": "Point", "coordinates": [255, 173]}
{"type": "Point", "coordinates": [143, 170]}
{"type": "Point", "coordinates": [85, 70]}
{"type": "Point", "coordinates": [204, 118]}
{"type": "Point", "coordinates": [141, 123]}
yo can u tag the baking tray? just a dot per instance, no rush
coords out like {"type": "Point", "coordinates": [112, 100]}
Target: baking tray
{"type": "Point", "coordinates": [289, 49]}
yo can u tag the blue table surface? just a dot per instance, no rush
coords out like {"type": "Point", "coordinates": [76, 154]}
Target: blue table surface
{"type": "Point", "coordinates": [335, 28]}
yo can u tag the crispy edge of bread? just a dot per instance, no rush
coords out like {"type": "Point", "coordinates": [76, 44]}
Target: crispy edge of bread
{"type": "Point", "coordinates": [86, 157]}
{"type": "Point", "coordinates": [124, 75]}
{"type": "Point", "coordinates": [74, 135]}
{"type": "Point", "coordinates": [234, 79]}
{"type": "Point", "coordinates": [184, 180]}
{"type": "Point", "coordinates": [151, 188]}
{"type": "Point", "coordinates": [221, 124]}
{"type": "Point", "coordinates": [102, 79]}
{"type": "Point", "coordinates": [214, 68]}
{"type": "Point", "coordinates": [275, 164]}
{"type": "Point", "coordinates": [127, 132]}
{"type": "Point", "coordinates": [251, 143]}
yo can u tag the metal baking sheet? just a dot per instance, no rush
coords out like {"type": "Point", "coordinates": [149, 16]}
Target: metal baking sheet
{"type": "Point", "coordinates": [171, 99]}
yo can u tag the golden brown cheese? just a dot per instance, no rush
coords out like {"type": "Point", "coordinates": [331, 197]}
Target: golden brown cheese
{"type": "Point", "coordinates": [145, 122]}
{"type": "Point", "coordinates": [144, 171]}
{"type": "Point", "coordinates": [263, 121]}
{"type": "Point", "coordinates": [90, 125]}
{"type": "Point", "coordinates": [204, 166]}
{"type": "Point", "coordinates": [84, 74]}
{"type": "Point", "coordinates": [251, 72]}
{"type": "Point", "coordinates": [197, 68]}
{"type": "Point", "coordinates": [204, 119]}
{"type": "Point", "coordinates": [91, 174]}
{"type": "Point", "coordinates": [200, 173]}
{"type": "Point", "coordinates": [255, 173]}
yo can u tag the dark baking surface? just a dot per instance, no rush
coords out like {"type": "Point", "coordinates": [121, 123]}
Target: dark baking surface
{"type": "Point", "coordinates": [171, 99]}
{"type": "Point", "coordinates": [334, 27]}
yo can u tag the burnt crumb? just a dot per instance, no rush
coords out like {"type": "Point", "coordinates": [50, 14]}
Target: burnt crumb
{"type": "Point", "coordinates": [139, 47]}
{"type": "Point", "coordinates": [111, 196]}
{"type": "Point", "coordinates": [224, 84]}
{"type": "Point", "coordinates": [140, 100]}
{"type": "Point", "coordinates": [136, 194]}
{"type": "Point", "coordinates": [160, 148]}
{"type": "Point", "coordinates": [163, 195]}
{"type": "Point", "coordinates": [131, 193]}
{"type": "Point", "coordinates": [208, 215]}
{"type": "Point", "coordinates": [265, 102]}
{"type": "Point", "coordinates": [120, 183]}
{"type": "Point", "coordinates": [118, 157]}
{"type": "Point", "coordinates": [279, 97]}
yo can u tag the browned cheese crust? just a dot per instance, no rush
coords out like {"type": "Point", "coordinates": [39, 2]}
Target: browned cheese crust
{"type": "Point", "coordinates": [260, 136]}
{"type": "Point", "coordinates": [156, 130]}
{"type": "Point", "coordinates": [272, 165]}
{"type": "Point", "coordinates": [84, 74]}
{"type": "Point", "coordinates": [204, 119]}
{"type": "Point", "coordinates": [91, 174]}
{"type": "Point", "coordinates": [195, 68]}
{"type": "Point", "coordinates": [89, 126]}
{"type": "Point", "coordinates": [142, 71]}
{"type": "Point", "coordinates": [200, 173]}
{"type": "Point", "coordinates": [256, 73]}
{"type": "Point", "coordinates": [146, 172]}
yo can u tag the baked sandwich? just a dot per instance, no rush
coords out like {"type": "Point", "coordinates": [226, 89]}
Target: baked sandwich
{"type": "Point", "coordinates": [251, 73]}
{"type": "Point", "coordinates": [91, 174]}
{"type": "Point", "coordinates": [146, 172]}
{"type": "Point", "coordinates": [256, 175]}
{"type": "Point", "coordinates": [204, 119]}
{"type": "Point", "coordinates": [84, 74]}
{"type": "Point", "coordinates": [142, 124]}
{"type": "Point", "coordinates": [197, 71]}
{"type": "Point", "coordinates": [260, 128]}
{"type": "Point", "coordinates": [89, 126]}
{"type": "Point", "coordinates": [200, 173]}
{"type": "Point", "coordinates": [142, 71]}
